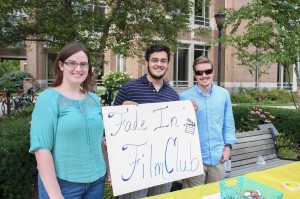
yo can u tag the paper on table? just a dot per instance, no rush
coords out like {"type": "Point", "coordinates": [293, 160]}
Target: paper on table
{"type": "Point", "coordinates": [213, 196]}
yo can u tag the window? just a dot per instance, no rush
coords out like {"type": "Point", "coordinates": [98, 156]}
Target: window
{"type": "Point", "coordinates": [97, 8]}
{"type": "Point", "coordinates": [298, 67]}
{"type": "Point", "coordinates": [284, 77]}
{"type": "Point", "coordinates": [200, 51]}
{"type": "Point", "coordinates": [183, 59]}
{"type": "Point", "coordinates": [121, 64]}
{"type": "Point", "coordinates": [202, 13]}
{"type": "Point", "coordinates": [181, 65]}
{"type": "Point", "coordinates": [50, 61]}
{"type": "Point", "coordinates": [17, 18]}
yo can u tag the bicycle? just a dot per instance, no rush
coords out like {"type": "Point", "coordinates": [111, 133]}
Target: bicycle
{"type": "Point", "coordinates": [31, 95]}
{"type": "Point", "coordinates": [8, 104]}
{"type": "Point", "coordinates": [27, 99]}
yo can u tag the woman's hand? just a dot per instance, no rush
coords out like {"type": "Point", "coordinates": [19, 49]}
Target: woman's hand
{"type": "Point", "coordinates": [108, 177]}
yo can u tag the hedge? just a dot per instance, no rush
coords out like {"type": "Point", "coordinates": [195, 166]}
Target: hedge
{"type": "Point", "coordinates": [286, 121]}
{"type": "Point", "coordinates": [18, 166]}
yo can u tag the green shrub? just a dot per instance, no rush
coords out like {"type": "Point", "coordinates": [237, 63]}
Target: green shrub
{"type": "Point", "coordinates": [254, 117]}
{"type": "Point", "coordinates": [266, 96]}
{"type": "Point", "coordinates": [286, 122]}
{"type": "Point", "coordinates": [242, 98]}
{"type": "Point", "coordinates": [18, 166]}
{"type": "Point", "coordinates": [115, 80]}
{"type": "Point", "coordinates": [288, 125]}
{"type": "Point", "coordinates": [279, 95]}
{"type": "Point", "coordinates": [10, 80]}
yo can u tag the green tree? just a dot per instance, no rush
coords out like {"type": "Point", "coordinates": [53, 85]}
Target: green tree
{"type": "Point", "coordinates": [126, 27]}
{"type": "Point", "coordinates": [9, 66]}
{"type": "Point", "coordinates": [272, 27]}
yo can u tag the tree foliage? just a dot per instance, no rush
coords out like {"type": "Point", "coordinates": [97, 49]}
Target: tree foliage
{"type": "Point", "coordinates": [272, 28]}
{"type": "Point", "coordinates": [9, 66]}
{"type": "Point", "coordinates": [125, 27]}
{"type": "Point", "coordinates": [13, 80]}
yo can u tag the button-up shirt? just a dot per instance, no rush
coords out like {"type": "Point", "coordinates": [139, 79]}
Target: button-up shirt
{"type": "Point", "coordinates": [215, 121]}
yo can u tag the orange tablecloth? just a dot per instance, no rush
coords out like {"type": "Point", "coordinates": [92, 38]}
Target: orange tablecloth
{"type": "Point", "coordinates": [272, 177]}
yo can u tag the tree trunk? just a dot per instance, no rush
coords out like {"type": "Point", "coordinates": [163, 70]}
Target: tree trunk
{"type": "Point", "coordinates": [298, 84]}
{"type": "Point", "coordinates": [103, 42]}
{"type": "Point", "coordinates": [298, 92]}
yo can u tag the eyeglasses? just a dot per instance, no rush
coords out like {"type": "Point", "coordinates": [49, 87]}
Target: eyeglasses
{"type": "Point", "coordinates": [201, 72]}
{"type": "Point", "coordinates": [74, 64]}
{"type": "Point", "coordinates": [155, 61]}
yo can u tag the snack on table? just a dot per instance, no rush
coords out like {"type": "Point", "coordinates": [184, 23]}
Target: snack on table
{"type": "Point", "coordinates": [253, 194]}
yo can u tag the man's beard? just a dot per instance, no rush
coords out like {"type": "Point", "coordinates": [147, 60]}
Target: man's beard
{"type": "Point", "coordinates": [155, 76]}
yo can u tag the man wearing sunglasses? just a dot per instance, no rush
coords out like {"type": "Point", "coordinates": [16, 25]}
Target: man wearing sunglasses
{"type": "Point", "coordinates": [215, 123]}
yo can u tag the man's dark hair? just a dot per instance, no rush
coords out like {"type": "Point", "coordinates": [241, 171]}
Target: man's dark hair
{"type": "Point", "coordinates": [157, 48]}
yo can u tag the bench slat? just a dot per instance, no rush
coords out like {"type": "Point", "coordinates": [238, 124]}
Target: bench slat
{"type": "Point", "coordinates": [253, 133]}
{"type": "Point", "coordinates": [252, 161]}
{"type": "Point", "coordinates": [254, 138]}
{"type": "Point", "coordinates": [250, 144]}
{"type": "Point", "coordinates": [252, 155]}
{"type": "Point", "coordinates": [252, 149]}
{"type": "Point", "coordinates": [276, 163]}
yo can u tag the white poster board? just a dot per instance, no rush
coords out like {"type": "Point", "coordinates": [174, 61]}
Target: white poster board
{"type": "Point", "coordinates": [151, 144]}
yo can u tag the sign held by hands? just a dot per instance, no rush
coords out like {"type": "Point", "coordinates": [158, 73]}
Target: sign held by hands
{"type": "Point", "coordinates": [151, 144]}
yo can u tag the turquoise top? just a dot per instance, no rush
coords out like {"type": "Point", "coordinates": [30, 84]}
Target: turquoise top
{"type": "Point", "coordinates": [72, 130]}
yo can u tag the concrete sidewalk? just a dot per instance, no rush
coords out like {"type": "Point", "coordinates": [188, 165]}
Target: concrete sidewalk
{"type": "Point", "coordinates": [286, 107]}
{"type": "Point", "coordinates": [272, 106]}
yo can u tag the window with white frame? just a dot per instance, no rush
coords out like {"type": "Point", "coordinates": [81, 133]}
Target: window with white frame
{"type": "Point", "coordinates": [202, 13]}
{"type": "Point", "coordinates": [200, 50]}
{"type": "Point", "coordinates": [181, 63]}
{"type": "Point", "coordinates": [298, 75]}
{"type": "Point", "coordinates": [183, 60]}
{"type": "Point", "coordinates": [98, 8]}
{"type": "Point", "coordinates": [121, 64]}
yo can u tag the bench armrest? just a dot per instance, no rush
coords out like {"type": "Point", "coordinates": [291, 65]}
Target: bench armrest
{"type": "Point", "coordinates": [295, 150]}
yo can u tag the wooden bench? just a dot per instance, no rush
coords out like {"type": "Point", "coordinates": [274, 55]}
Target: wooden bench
{"type": "Point", "coordinates": [253, 144]}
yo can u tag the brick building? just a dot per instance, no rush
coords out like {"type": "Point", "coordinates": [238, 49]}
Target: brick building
{"type": "Point", "coordinates": [180, 74]}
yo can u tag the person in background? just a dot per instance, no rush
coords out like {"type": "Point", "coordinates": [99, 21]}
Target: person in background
{"type": "Point", "coordinates": [215, 123]}
{"type": "Point", "coordinates": [149, 88]}
{"type": "Point", "coordinates": [67, 130]}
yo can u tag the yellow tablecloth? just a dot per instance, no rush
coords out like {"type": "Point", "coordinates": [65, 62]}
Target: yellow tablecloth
{"type": "Point", "coordinates": [272, 177]}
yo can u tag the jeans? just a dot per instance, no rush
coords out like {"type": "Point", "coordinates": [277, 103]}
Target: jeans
{"type": "Point", "coordinates": [74, 190]}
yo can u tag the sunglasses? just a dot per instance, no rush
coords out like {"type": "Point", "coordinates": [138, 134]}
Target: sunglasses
{"type": "Point", "coordinates": [200, 72]}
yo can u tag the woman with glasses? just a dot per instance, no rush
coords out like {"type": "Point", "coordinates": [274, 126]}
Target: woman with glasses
{"type": "Point", "coordinates": [215, 123]}
{"type": "Point", "coordinates": [67, 131]}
